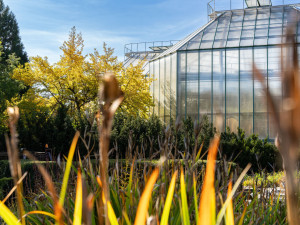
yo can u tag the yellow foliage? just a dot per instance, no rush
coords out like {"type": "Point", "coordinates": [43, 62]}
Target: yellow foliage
{"type": "Point", "coordinates": [74, 80]}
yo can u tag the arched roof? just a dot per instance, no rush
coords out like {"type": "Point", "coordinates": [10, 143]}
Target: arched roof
{"type": "Point", "coordinates": [256, 26]}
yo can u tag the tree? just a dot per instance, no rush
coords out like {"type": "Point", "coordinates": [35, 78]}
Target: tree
{"type": "Point", "coordinates": [134, 84]}
{"type": "Point", "coordinates": [74, 80]}
{"type": "Point", "coordinates": [9, 35]}
{"type": "Point", "coordinates": [9, 88]}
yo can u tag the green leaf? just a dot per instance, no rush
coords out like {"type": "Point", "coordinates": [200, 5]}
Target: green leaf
{"type": "Point", "coordinates": [166, 211]}
{"type": "Point", "coordinates": [185, 210]}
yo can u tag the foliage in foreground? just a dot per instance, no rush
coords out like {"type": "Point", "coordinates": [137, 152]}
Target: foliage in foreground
{"type": "Point", "coordinates": [171, 195]}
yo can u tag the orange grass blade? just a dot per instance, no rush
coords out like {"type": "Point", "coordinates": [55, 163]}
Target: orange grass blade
{"type": "Point", "coordinates": [68, 170]}
{"type": "Point", "coordinates": [243, 215]}
{"type": "Point", "coordinates": [168, 202]}
{"type": "Point", "coordinates": [207, 205]}
{"type": "Point", "coordinates": [78, 201]}
{"type": "Point", "coordinates": [229, 209]}
{"type": "Point", "coordinates": [7, 215]}
{"type": "Point", "coordinates": [142, 210]}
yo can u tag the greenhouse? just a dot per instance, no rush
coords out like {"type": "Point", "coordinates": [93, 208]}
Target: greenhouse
{"type": "Point", "coordinates": [210, 71]}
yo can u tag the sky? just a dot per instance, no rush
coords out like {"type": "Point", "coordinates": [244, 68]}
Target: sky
{"type": "Point", "coordinates": [45, 24]}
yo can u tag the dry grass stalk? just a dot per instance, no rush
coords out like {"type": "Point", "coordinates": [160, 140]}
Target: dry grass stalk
{"type": "Point", "coordinates": [287, 120]}
{"type": "Point", "coordinates": [110, 97]}
{"type": "Point", "coordinates": [58, 209]}
{"type": "Point", "coordinates": [13, 156]}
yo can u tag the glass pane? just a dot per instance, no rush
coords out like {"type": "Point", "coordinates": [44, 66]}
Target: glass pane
{"type": "Point", "coordinates": [192, 85]}
{"type": "Point", "coordinates": [151, 85]}
{"type": "Point", "coordinates": [260, 41]}
{"type": "Point", "coordinates": [205, 84]}
{"type": "Point", "coordinates": [156, 87]}
{"type": "Point", "coordinates": [246, 91]}
{"type": "Point", "coordinates": [248, 32]}
{"type": "Point", "coordinates": [162, 89]}
{"type": "Point", "coordinates": [274, 84]}
{"type": "Point", "coordinates": [251, 3]}
{"type": "Point", "coordinates": [173, 97]}
{"type": "Point", "coordinates": [233, 42]}
{"type": "Point", "coordinates": [194, 43]}
{"type": "Point", "coordinates": [260, 101]}
{"type": "Point", "coordinates": [219, 86]}
{"type": "Point", "coordinates": [181, 84]}
{"type": "Point", "coordinates": [208, 36]}
{"type": "Point", "coordinates": [265, 2]}
{"type": "Point", "coordinates": [167, 88]}
{"type": "Point", "coordinates": [246, 42]}
{"type": "Point", "coordinates": [275, 30]}
{"type": "Point", "coordinates": [261, 31]}
{"type": "Point", "coordinates": [232, 89]}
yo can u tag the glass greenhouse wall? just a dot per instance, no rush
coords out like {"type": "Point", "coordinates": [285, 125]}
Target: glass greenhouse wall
{"type": "Point", "coordinates": [210, 71]}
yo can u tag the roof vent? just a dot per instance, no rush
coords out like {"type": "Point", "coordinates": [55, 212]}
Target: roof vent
{"type": "Point", "coordinates": [258, 3]}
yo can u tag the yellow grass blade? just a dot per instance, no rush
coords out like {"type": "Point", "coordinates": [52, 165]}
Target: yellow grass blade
{"type": "Point", "coordinates": [229, 210]}
{"type": "Point", "coordinates": [111, 214]}
{"type": "Point", "coordinates": [207, 205]}
{"type": "Point", "coordinates": [68, 170]}
{"type": "Point", "coordinates": [166, 212]}
{"type": "Point", "coordinates": [237, 183]}
{"type": "Point", "coordinates": [142, 210]}
{"type": "Point", "coordinates": [7, 215]}
{"type": "Point", "coordinates": [199, 152]}
{"type": "Point", "coordinates": [126, 218]}
{"type": "Point", "coordinates": [78, 201]}
{"type": "Point", "coordinates": [128, 195]}
{"type": "Point", "coordinates": [42, 213]}
{"type": "Point", "coordinates": [195, 198]}
{"type": "Point", "coordinates": [185, 209]}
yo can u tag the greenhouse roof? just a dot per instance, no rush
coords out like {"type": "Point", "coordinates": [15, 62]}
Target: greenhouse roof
{"type": "Point", "coordinates": [254, 26]}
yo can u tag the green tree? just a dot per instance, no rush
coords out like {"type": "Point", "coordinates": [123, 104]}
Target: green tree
{"type": "Point", "coordinates": [9, 35]}
{"type": "Point", "coordinates": [9, 88]}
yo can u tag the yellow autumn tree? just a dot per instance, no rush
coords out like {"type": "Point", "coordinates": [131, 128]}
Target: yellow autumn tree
{"type": "Point", "coordinates": [74, 80]}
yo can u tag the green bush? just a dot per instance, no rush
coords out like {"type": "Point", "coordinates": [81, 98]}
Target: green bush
{"type": "Point", "coordinates": [243, 150]}
{"type": "Point", "coordinates": [32, 181]}
{"type": "Point", "coordinates": [129, 132]}
{"type": "Point", "coordinates": [136, 133]}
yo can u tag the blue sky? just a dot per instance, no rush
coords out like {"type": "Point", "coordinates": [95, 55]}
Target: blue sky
{"type": "Point", "coordinates": [45, 24]}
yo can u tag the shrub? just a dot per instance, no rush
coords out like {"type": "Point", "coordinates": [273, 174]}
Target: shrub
{"type": "Point", "coordinates": [242, 150]}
